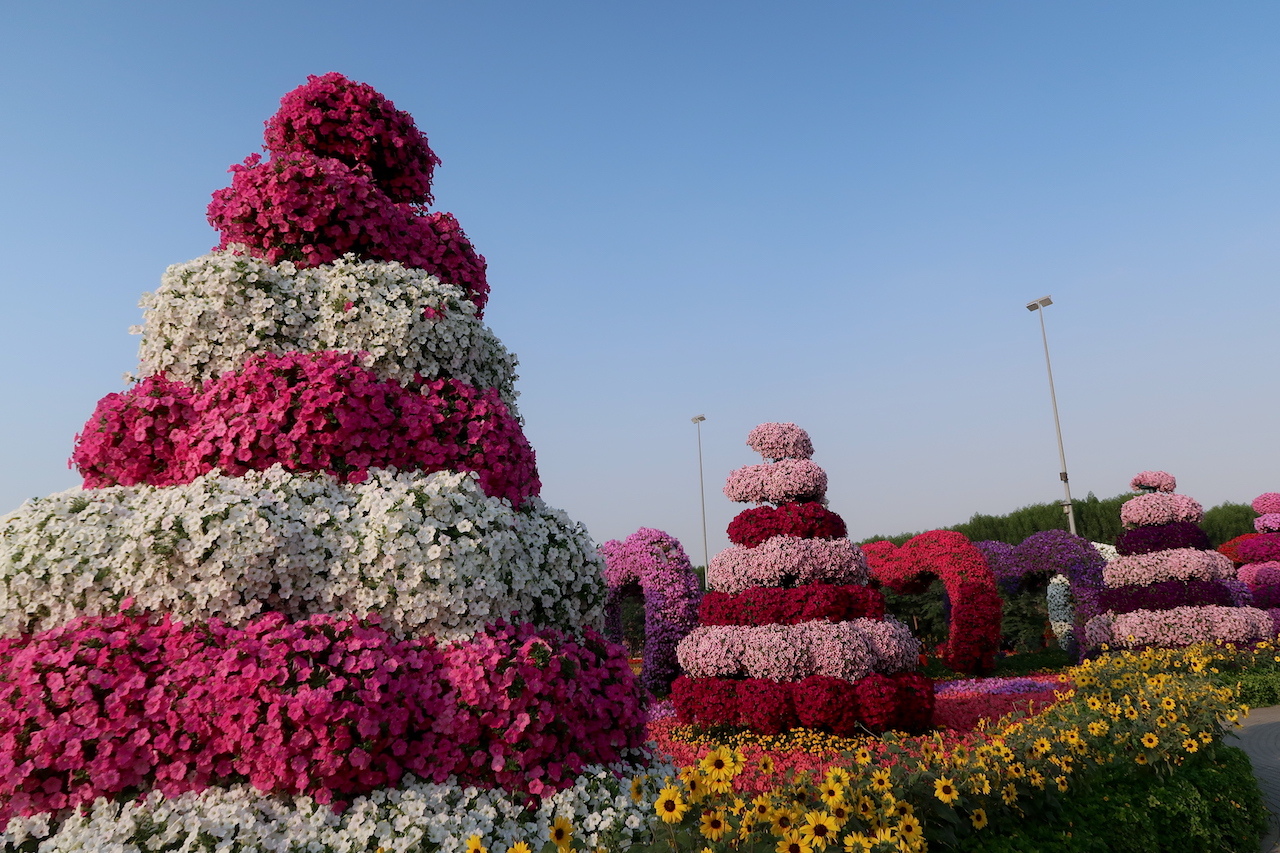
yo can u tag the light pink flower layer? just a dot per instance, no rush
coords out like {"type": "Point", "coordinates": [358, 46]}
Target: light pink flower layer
{"type": "Point", "coordinates": [845, 650]}
{"type": "Point", "coordinates": [1176, 564]}
{"type": "Point", "coordinates": [780, 441]}
{"type": "Point", "coordinates": [1160, 508]}
{"type": "Point", "coordinates": [1268, 502]}
{"type": "Point", "coordinates": [1179, 626]}
{"type": "Point", "coordinates": [787, 561]}
{"type": "Point", "coordinates": [785, 481]}
{"type": "Point", "coordinates": [1161, 481]}
{"type": "Point", "coordinates": [1260, 574]}
{"type": "Point", "coordinates": [1268, 522]}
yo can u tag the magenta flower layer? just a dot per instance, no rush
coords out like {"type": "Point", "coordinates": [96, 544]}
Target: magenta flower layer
{"type": "Point", "coordinates": [878, 702]}
{"type": "Point", "coordinates": [332, 116]}
{"type": "Point", "coordinates": [1269, 502]}
{"type": "Point", "coordinates": [1165, 596]}
{"type": "Point", "coordinates": [1180, 626]}
{"type": "Point", "coordinates": [806, 521]}
{"type": "Point", "coordinates": [1159, 481]}
{"type": "Point", "coordinates": [845, 650]}
{"type": "Point", "coordinates": [769, 605]}
{"type": "Point", "coordinates": [1268, 522]}
{"type": "Point", "coordinates": [780, 441]}
{"type": "Point", "coordinates": [307, 412]}
{"type": "Point", "coordinates": [1161, 537]}
{"type": "Point", "coordinates": [1160, 508]}
{"type": "Point", "coordinates": [785, 481]}
{"type": "Point", "coordinates": [1176, 564]}
{"type": "Point", "coordinates": [324, 707]}
{"type": "Point", "coordinates": [1261, 548]}
{"type": "Point", "coordinates": [785, 561]}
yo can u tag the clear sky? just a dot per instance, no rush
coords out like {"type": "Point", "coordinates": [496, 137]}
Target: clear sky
{"type": "Point", "coordinates": [831, 213]}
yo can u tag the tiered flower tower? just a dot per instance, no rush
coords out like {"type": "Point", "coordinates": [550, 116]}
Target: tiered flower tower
{"type": "Point", "coordinates": [309, 596]}
{"type": "Point", "coordinates": [1260, 556]}
{"type": "Point", "coordinates": [1168, 587]}
{"type": "Point", "coordinates": [790, 634]}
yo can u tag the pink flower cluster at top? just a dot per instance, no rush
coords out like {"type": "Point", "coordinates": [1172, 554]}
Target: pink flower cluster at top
{"type": "Point", "coordinates": [1160, 508]}
{"type": "Point", "coordinates": [1180, 626]}
{"type": "Point", "coordinates": [780, 441]}
{"type": "Point", "coordinates": [307, 412]}
{"type": "Point", "coordinates": [325, 707]}
{"type": "Point", "coordinates": [974, 634]}
{"type": "Point", "coordinates": [787, 561]}
{"type": "Point", "coordinates": [1159, 481]}
{"type": "Point", "coordinates": [348, 173]}
{"type": "Point", "coordinates": [1175, 564]}
{"type": "Point", "coordinates": [777, 482]}
{"type": "Point", "coordinates": [1267, 503]}
{"type": "Point", "coordinates": [845, 650]}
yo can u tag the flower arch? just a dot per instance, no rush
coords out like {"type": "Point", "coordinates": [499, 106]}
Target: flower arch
{"type": "Point", "coordinates": [971, 586]}
{"type": "Point", "coordinates": [656, 562]}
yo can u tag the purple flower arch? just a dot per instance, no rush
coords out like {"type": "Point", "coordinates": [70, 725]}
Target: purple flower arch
{"type": "Point", "coordinates": [655, 561]}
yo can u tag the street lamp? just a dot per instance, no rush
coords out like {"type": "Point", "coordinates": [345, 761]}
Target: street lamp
{"type": "Point", "coordinates": [1039, 305]}
{"type": "Point", "coordinates": [702, 491]}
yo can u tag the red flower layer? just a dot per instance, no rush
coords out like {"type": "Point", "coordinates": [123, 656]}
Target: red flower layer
{"type": "Point", "coordinates": [976, 610]}
{"type": "Point", "coordinates": [775, 606]}
{"type": "Point", "coordinates": [877, 702]}
{"type": "Point", "coordinates": [803, 520]}
{"type": "Point", "coordinates": [312, 210]}
{"type": "Point", "coordinates": [308, 412]}
{"type": "Point", "coordinates": [1231, 548]}
{"type": "Point", "coordinates": [962, 712]}
{"type": "Point", "coordinates": [324, 707]}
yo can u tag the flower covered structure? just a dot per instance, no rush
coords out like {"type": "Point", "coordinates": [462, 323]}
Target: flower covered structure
{"type": "Point", "coordinates": [1167, 587]}
{"type": "Point", "coordinates": [309, 565]}
{"type": "Point", "coordinates": [654, 563]}
{"type": "Point", "coordinates": [790, 633]}
{"type": "Point", "coordinates": [1259, 556]}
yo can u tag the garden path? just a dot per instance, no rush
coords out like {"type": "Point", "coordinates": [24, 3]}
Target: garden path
{"type": "Point", "coordinates": [1260, 738]}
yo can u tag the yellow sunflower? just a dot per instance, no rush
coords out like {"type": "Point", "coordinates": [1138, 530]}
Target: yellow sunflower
{"type": "Point", "coordinates": [909, 828]}
{"type": "Point", "coordinates": [476, 845]}
{"type": "Point", "coordinates": [717, 764]}
{"type": "Point", "coordinates": [765, 765]}
{"type": "Point", "coordinates": [519, 847]}
{"type": "Point", "coordinates": [561, 833]}
{"type": "Point", "coordinates": [1149, 740]}
{"type": "Point", "coordinates": [979, 818]}
{"type": "Point", "coordinates": [782, 821]}
{"type": "Point", "coordinates": [670, 806]}
{"type": "Point", "coordinates": [637, 788]}
{"type": "Point", "coordinates": [792, 842]}
{"type": "Point", "coordinates": [819, 829]}
{"type": "Point", "coordinates": [713, 825]}
{"type": "Point", "coordinates": [862, 756]}
{"type": "Point", "coordinates": [944, 789]}
{"type": "Point", "coordinates": [839, 776]}
{"type": "Point", "coordinates": [880, 780]}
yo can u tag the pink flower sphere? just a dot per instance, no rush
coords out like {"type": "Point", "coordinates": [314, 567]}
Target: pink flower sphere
{"type": "Point", "coordinates": [1268, 522]}
{"type": "Point", "coordinates": [1267, 504]}
{"type": "Point", "coordinates": [780, 441]}
{"type": "Point", "coordinates": [1160, 481]}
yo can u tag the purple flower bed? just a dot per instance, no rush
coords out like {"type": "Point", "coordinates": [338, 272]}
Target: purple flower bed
{"type": "Point", "coordinates": [1165, 596]}
{"type": "Point", "coordinates": [1162, 537]}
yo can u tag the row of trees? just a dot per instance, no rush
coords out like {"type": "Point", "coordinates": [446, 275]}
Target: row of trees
{"type": "Point", "coordinates": [1097, 519]}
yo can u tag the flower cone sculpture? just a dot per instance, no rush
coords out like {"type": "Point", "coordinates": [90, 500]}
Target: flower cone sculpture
{"type": "Point", "coordinates": [790, 634]}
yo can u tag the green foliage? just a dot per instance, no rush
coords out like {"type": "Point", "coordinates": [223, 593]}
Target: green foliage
{"type": "Point", "coordinates": [923, 613]}
{"type": "Point", "coordinates": [1211, 805]}
{"type": "Point", "coordinates": [1227, 521]}
{"type": "Point", "coordinates": [1025, 617]}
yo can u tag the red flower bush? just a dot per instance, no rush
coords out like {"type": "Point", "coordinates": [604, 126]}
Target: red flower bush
{"type": "Point", "coordinates": [127, 440]}
{"type": "Point", "coordinates": [974, 634]}
{"type": "Point", "coordinates": [324, 707]}
{"type": "Point", "coordinates": [805, 520]}
{"type": "Point", "coordinates": [308, 412]}
{"type": "Point", "coordinates": [962, 712]}
{"type": "Point", "coordinates": [1231, 548]}
{"type": "Point", "coordinates": [879, 702]}
{"type": "Point", "coordinates": [776, 606]}
{"type": "Point", "coordinates": [1260, 548]}
{"type": "Point", "coordinates": [331, 116]}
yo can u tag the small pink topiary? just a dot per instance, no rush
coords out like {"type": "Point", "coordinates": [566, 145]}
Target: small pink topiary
{"type": "Point", "coordinates": [1153, 481]}
{"type": "Point", "coordinates": [780, 441]}
{"type": "Point", "coordinates": [1267, 504]}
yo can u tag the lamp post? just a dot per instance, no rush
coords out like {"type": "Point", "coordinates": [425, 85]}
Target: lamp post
{"type": "Point", "coordinates": [702, 491]}
{"type": "Point", "coordinates": [1039, 305]}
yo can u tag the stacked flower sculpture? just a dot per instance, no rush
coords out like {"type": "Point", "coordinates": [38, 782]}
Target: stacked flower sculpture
{"type": "Point", "coordinates": [1260, 555]}
{"type": "Point", "coordinates": [310, 564]}
{"type": "Point", "coordinates": [790, 633]}
{"type": "Point", "coordinates": [656, 564]}
{"type": "Point", "coordinates": [1168, 587]}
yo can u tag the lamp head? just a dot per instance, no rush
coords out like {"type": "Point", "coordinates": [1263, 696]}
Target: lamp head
{"type": "Point", "coordinates": [699, 419]}
{"type": "Point", "coordinates": [1039, 303]}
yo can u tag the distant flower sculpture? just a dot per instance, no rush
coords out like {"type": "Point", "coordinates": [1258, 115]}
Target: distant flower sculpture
{"type": "Point", "coordinates": [656, 563]}
{"type": "Point", "coordinates": [1167, 587]}
{"type": "Point", "coordinates": [790, 633]}
{"type": "Point", "coordinates": [1259, 556]}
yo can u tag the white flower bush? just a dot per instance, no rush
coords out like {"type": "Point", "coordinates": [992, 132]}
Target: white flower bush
{"type": "Point", "coordinates": [211, 313]}
{"type": "Point", "coordinates": [418, 816]}
{"type": "Point", "coordinates": [1061, 611]}
{"type": "Point", "coordinates": [432, 554]}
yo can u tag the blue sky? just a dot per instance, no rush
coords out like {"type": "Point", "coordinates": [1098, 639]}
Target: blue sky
{"type": "Point", "coordinates": [826, 213]}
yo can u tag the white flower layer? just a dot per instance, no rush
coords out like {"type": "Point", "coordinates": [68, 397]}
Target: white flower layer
{"type": "Point", "coordinates": [432, 554]}
{"type": "Point", "coordinates": [418, 815]}
{"type": "Point", "coordinates": [211, 313]}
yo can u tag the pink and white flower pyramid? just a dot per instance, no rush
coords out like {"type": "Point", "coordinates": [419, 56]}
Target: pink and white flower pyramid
{"type": "Point", "coordinates": [790, 633]}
